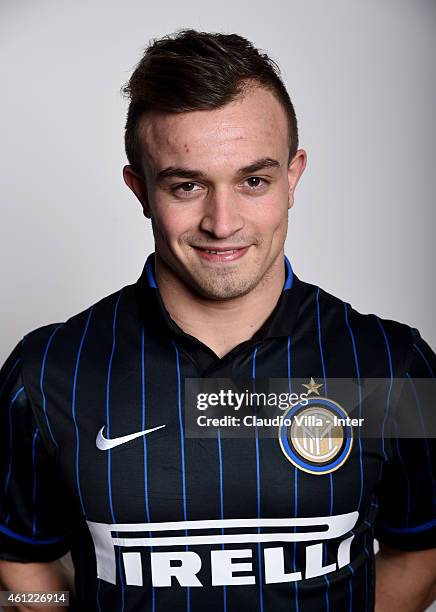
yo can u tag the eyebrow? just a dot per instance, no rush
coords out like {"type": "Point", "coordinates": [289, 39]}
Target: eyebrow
{"type": "Point", "coordinates": [188, 173]}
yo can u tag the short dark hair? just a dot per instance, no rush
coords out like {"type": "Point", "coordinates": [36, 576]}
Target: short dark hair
{"type": "Point", "coordinates": [191, 70]}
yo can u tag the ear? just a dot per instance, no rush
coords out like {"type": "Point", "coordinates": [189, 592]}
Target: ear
{"type": "Point", "coordinates": [295, 170]}
{"type": "Point", "coordinates": [138, 185]}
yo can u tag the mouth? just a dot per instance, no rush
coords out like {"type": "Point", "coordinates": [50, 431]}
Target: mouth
{"type": "Point", "coordinates": [221, 254]}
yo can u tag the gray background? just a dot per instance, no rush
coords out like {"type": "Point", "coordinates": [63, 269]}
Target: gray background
{"type": "Point", "coordinates": [361, 78]}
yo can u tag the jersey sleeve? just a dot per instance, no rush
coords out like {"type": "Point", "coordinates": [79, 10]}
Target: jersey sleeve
{"type": "Point", "coordinates": [35, 522]}
{"type": "Point", "coordinates": [407, 496]}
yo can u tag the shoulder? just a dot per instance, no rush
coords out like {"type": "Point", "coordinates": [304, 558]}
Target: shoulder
{"type": "Point", "coordinates": [63, 339]}
{"type": "Point", "coordinates": [370, 333]}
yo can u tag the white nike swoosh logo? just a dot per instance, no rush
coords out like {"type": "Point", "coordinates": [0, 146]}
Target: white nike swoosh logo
{"type": "Point", "coordinates": [106, 443]}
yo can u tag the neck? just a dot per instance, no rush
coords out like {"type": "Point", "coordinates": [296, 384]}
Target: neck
{"type": "Point", "coordinates": [220, 324]}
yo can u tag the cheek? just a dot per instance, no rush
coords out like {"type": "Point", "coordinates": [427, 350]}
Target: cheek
{"type": "Point", "coordinates": [270, 217]}
{"type": "Point", "coordinates": [172, 221]}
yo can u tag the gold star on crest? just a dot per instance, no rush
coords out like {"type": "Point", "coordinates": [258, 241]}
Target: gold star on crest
{"type": "Point", "coordinates": [312, 386]}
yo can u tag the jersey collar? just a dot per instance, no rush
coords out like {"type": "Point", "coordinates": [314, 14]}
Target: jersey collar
{"type": "Point", "coordinates": [280, 322]}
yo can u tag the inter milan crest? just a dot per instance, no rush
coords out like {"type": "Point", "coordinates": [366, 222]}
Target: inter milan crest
{"type": "Point", "coordinates": [316, 435]}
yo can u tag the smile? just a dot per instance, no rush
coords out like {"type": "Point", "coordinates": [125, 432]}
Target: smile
{"type": "Point", "coordinates": [221, 254]}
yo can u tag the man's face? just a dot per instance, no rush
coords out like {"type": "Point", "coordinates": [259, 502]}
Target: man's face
{"type": "Point", "coordinates": [218, 180]}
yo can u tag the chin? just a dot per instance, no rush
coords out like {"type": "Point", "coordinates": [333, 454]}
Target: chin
{"type": "Point", "coordinates": [224, 289]}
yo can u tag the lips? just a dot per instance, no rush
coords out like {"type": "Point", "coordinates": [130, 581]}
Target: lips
{"type": "Point", "coordinates": [221, 254]}
{"type": "Point", "coordinates": [221, 251]}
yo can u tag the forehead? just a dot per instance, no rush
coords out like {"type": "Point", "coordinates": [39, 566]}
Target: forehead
{"type": "Point", "coordinates": [252, 126]}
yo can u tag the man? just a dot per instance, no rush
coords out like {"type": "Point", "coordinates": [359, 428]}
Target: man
{"type": "Point", "coordinates": [95, 453]}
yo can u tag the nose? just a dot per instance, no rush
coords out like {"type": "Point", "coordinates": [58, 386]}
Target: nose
{"type": "Point", "coordinates": [222, 216]}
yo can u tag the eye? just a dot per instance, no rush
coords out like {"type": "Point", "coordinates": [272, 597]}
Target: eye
{"type": "Point", "coordinates": [187, 186]}
{"type": "Point", "coordinates": [255, 182]}
{"type": "Point", "coordinates": [185, 189]}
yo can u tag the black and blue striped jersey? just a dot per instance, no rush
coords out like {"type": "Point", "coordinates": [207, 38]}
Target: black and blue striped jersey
{"type": "Point", "coordinates": [163, 521]}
